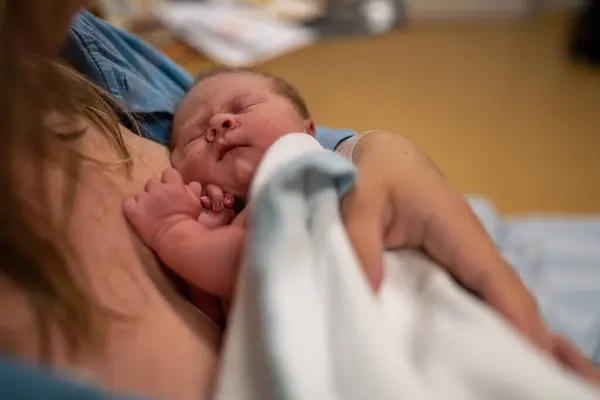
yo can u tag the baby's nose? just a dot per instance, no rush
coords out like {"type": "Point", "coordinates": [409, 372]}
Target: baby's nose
{"type": "Point", "coordinates": [218, 126]}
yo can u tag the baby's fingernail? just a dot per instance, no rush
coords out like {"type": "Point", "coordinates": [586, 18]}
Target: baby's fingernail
{"type": "Point", "coordinates": [205, 201]}
{"type": "Point", "coordinates": [217, 207]}
{"type": "Point", "coordinates": [229, 201]}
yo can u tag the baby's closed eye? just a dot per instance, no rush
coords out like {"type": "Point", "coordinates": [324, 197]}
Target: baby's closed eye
{"type": "Point", "coordinates": [242, 103]}
{"type": "Point", "coordinates": [198, 133]}
{"type": "Point", "coordinates": [239, 106]}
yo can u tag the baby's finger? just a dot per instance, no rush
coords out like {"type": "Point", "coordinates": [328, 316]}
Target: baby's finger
{"type": "Point", "coordinates": [193, 196]}
{"type": "Point", "coordinates": [196, 189]}
{"type": "Point", "coordinates": [205, 201]}
{"type": "Point", "coordinates": [131, 210]}
{"type": "Point", "coordinates": [171, 175]}
{"type": "Point", "coordinates": [229, 200]}
{"type": "Point", "coordinates": [151, 184]}
{"type": "Point", "coordinates": [216, 197]}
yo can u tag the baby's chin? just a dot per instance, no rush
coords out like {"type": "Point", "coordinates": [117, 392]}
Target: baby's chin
{"type": "Point", "coordinates": [244, 170]}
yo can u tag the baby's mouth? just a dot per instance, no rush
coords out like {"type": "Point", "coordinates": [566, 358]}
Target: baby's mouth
{"type": "Point", "coordinates": [225, 148]}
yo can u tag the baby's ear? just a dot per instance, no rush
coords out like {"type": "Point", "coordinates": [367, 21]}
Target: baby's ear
{"type": "Point", "coordinates": [309, 127]}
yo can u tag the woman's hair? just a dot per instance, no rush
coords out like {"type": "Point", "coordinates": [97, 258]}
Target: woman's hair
{"type": "Point", "coordinates": [35, 255]}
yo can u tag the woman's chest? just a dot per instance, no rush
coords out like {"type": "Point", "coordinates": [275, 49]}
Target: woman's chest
{"type": "Point", "coordinates": [156, 342]}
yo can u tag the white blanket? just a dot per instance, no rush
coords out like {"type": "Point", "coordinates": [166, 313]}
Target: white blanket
{"type": "Point", "coordinates": [305, 325]}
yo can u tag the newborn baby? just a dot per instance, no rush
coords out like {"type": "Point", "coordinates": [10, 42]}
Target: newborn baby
{"type": "Point", "coordinates": [221, 131]}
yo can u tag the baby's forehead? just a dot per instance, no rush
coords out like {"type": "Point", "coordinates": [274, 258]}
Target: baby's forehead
{"type": "Point", "coordinates": [232, 82]}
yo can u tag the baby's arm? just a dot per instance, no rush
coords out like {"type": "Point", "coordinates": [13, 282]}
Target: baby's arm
{"type": "Point", "coordinates": [166, 215]}
{"type": "Point", "coordinates": [206, 258]}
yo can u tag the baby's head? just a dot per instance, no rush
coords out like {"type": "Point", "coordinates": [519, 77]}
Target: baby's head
{"type": "Point", "coordinates": [228, 120]}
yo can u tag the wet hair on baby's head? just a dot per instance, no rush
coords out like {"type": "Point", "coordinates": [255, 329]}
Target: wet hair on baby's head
{"type": "Point", "coordinates": [282, 87]}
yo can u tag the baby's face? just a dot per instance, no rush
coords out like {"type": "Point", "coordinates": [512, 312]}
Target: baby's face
{"type": "Point", "coordinates": [224, 126]}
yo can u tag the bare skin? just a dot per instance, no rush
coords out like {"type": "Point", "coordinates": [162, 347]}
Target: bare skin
{"type": "Point", "coordinates": [163, 347]}
{"type": "Point", "coordinates": [167, 218]}
{"type": "Point", "coordinates": [223, 128]}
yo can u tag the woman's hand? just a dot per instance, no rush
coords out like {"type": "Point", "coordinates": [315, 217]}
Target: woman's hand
{"type": "Point", "coordinates": [402, 199]}
{"type": "Point", "coordinates": [573, 359]}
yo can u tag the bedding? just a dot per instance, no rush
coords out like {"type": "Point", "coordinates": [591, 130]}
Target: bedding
{"type": "Point", "coordinates": [558, 258]}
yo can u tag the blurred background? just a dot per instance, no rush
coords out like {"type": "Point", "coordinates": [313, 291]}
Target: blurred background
{"type": "Point", "coordinates": [503, 95]}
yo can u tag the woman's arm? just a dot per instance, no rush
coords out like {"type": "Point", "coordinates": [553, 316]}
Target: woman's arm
{"type": "Point", "coordinates": [402, 199]}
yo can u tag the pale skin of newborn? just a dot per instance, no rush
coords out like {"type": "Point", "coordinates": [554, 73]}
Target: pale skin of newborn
{"type": "Point", "coordinates": [221, 131]}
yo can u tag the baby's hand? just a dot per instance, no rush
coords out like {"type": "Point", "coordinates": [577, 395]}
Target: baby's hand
{"type": "Point", "coordinates": [166, 201]}
{"type": "Point", "coordinates": [217, 207]}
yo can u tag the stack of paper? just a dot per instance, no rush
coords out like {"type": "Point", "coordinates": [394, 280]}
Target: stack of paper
{"type": "Point", "coordinates": [290, 10]}
{"type": "Point", "coordinates": [233, 35]}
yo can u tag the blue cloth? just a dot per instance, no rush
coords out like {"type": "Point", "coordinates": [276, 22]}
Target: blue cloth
{"type": "Point", "coordinates": [27, 382]}
{"type": "Point", "coordinates": [148, 83]}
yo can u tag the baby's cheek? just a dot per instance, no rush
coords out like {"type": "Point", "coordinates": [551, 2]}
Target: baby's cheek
{"type": "Point", "coordinates": [245, 170]}
{"type": "Point", "coordinates": [238, 176]}
{"type": "Point", "coordinates": [193, 169]}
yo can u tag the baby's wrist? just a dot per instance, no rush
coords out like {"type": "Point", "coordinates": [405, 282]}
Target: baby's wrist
{"type": "Point", "coordinates": [170, 232]}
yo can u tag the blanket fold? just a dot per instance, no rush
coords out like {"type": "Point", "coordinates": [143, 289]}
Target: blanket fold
{"type": "Point", "coordinates": [305, 324]}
